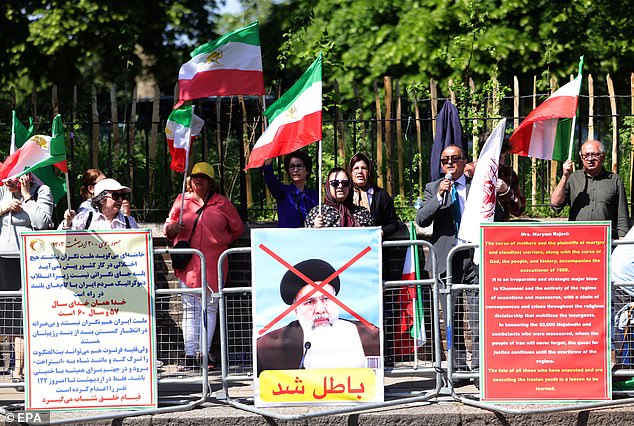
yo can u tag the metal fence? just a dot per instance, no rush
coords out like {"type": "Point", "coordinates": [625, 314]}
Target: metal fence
{"type": "Point", "coordinates": [426, 373]}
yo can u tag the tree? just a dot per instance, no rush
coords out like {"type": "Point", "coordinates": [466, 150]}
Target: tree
{"type": "Point", "coordinates": [67, 42]}
{"type": "Point", "coordinates": [419, 39]}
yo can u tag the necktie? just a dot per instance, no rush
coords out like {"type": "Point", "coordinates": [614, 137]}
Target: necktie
{"type": "Point", "coordinates": [455, 206]}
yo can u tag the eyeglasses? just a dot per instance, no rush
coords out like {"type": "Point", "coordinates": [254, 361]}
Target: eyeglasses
{"type": "Point", "coordinates": [453, 159]}
{"type": "Point", "coordinates": [590, 155]}
{"type": "Point", "coordinates": [335, 183]}
{"type": "Point", "coordinates": [295, 166]}
{"type": "Point", "coordinates": [116, 196]}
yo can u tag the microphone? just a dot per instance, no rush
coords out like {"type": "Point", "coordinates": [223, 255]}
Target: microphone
{"type": "Point", "coordinates": [445, 196]}
{"type": "Point", "coordinates": [307, 346]}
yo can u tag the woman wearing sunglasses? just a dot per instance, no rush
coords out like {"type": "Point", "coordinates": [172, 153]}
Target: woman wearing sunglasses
{"type": "Point", "coordinates": [338, 208]}
{"type": "Point", "coordinates": [107, 201]}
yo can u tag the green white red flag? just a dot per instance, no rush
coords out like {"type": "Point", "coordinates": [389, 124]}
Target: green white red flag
{"type": "Point", "coordinates": [546, 132]}
{"type": "Point", "coordinates": [294, 119]}
{"type": "Point", "coordinates": [47, 175]}
{"type": "Point", "coordinates": [230, 65]}
{"type": "Point", "coordinates": [181, 128]}
{"type": "Point", "coordinates": [37, 152]}
{"type": "Point", "coordinates": [411, 331]}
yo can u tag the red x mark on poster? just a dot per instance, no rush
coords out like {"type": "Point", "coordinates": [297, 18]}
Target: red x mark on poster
{"type": "Point", "coordinates": [316, 287]}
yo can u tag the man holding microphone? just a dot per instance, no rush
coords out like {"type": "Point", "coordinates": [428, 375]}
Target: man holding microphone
{"type": "Point", "coordinates": [443, 205]}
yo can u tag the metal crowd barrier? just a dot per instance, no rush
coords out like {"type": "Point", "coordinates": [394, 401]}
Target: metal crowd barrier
{"type": "Point", "coordinates": [622, 296]}
{"type": "Point", "coordinates": [236, 344]}
{"type": "Point", "coordinates": [165, 377]}
{"type": "Point", "coordinates": [236, 347]}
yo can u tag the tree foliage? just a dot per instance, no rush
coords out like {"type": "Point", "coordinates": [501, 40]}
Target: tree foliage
{"type": "Point", "coordinates": [67, 42]}
{"type": "Point", "coordinates": [416, 40]}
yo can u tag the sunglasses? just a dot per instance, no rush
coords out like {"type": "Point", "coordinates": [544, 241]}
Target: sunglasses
{"type": "Point", "coordinates": [335, 183]}
{"type": "Point", "coordinates": [116, 196]}
{"type": "Point", "coordinates": [453, 159]}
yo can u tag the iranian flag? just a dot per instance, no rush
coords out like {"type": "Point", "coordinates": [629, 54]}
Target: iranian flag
{"type": "Point", "coordinates": [230, 65]}
{"type": "Point", "coordinates": [181, 128]}
{"type": "Point", "coordinates": [47, 175]}
{"type": "Point", "coordinates": [37, 152]}
{"type": "Point", "coordinates": [294, 119]}
{"type": "Point", "coordinates": [411, 330]}
{"type": "Point", "coordinates": [547, 131]}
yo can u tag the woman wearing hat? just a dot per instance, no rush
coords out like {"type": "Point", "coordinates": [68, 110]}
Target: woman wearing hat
{"type": "Point", "coordinates": [338, 208]}
{"type": "Point", "coordinates": [107, 201]}
{"type": "Point", "coordinates": [217, 226]}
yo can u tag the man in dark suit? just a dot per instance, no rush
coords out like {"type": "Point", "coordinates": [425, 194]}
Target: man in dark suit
{"type": "Point", "coordinates": [318, 338]}
{"type": "Point", "coordinates": [443, 205]}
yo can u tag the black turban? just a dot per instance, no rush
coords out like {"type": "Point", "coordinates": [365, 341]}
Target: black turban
{"type": "Point", "coordinates": [315, 269]}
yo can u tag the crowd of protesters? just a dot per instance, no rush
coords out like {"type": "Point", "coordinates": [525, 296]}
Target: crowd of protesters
{"type": "Point", "coordinates": [208, 221]}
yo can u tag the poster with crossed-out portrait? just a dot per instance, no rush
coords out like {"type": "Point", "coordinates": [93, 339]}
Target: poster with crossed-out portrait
{"type": "Point", "coordinates": [317, 316]}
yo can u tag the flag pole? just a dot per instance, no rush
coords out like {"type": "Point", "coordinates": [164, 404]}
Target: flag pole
{"type": "Point", "coordinates": [574, 119]}
{"type": "Point", "coordinates": [189, 147]}
{"type": "Point", "coordinates": [67, 190]}
{"type": "Point", "coordinates": [319, 184]}
{"type": "Point", "coordinates": [180, 217]}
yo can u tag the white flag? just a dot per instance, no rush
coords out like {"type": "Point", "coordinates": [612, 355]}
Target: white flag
{"type": "Point", "coordinates": [480, 204]}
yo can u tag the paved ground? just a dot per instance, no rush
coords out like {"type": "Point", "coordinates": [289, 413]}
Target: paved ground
{"type": "Point", "coordinates": [441, 410]}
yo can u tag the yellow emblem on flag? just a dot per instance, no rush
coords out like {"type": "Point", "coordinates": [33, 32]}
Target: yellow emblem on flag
{"type": "Point", "coordinates": [40, 140]}
{"type": "Point", "coordinates": [214, 57]}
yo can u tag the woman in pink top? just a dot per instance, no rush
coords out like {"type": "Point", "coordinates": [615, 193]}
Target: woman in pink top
{"type": "Point", "coordinates": [218, 226]}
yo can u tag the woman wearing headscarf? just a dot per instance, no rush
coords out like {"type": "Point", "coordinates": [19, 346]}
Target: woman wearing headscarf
{"type": "Point", "coordinates": [338, 209]}
{"type": "Point", "coordinates": [24, 206]}
{"type": "Point", "coordinates": [218, 224]}
{"type": "Point", "coordinates": [366, 194]}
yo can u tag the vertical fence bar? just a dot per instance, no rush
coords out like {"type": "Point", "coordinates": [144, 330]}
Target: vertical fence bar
{"type": "Point", "coordinates": [131, 135]}
{"type": "Point", "coordinates": [54, 101]}
{"type": "Point", "coordinates": [34, 107]}
{"type": "Point", "coordinates": [399, 140]}
{"type": "Point", "coordinates": [94, 151]}
{"type": "Point", "coordinates": [115, 123]}
{"type": "Point", "coordinates": [339, 126]}
{"type": "Point", "coordinates": [615, 125]}
{"type": "Point", "coordinates": [433, 90]}
{"type": "Point", "coordinates": [419, 143]}
{"type": "Point", "coordinates": [379, 136]}
{"type": "Point", "coordinates": [387, 85]}
{"type": "Point", "coordinates": [151, 159]}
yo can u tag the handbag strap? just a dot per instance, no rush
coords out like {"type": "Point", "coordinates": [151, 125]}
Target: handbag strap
{"type": "Point", "coordinates": [200, 211]}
